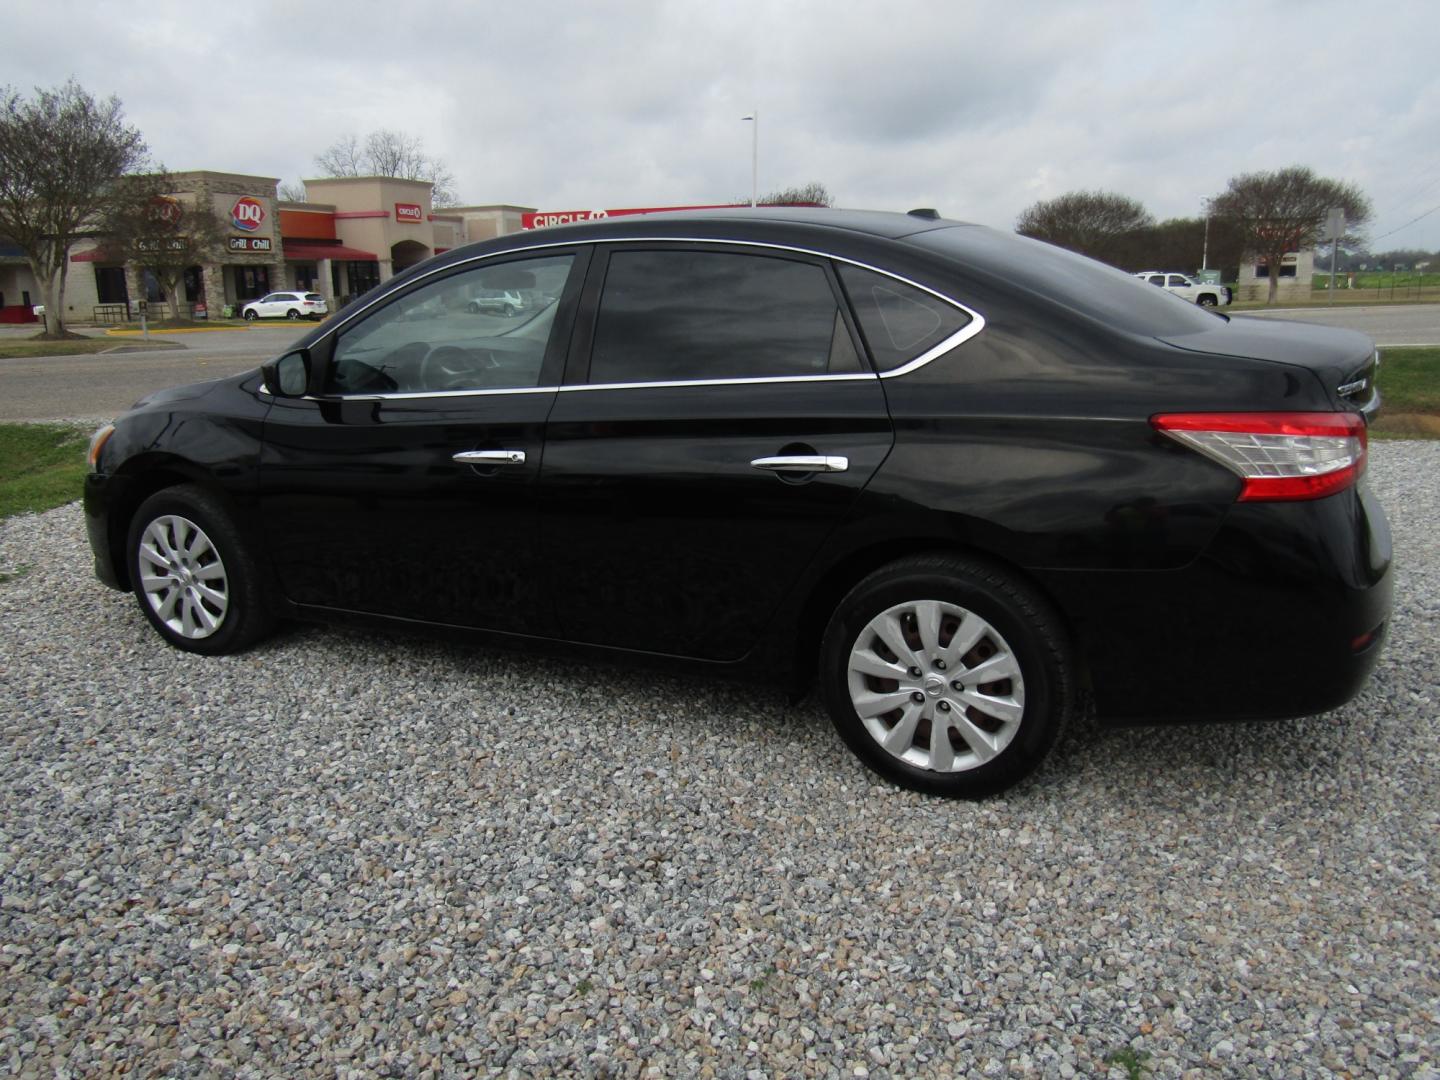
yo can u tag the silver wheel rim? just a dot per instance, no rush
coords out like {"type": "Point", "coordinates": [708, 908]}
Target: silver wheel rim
{"type": "Point", "coordinates": [936, 686]}
{"type": "Point", "coordinates": [183, 577]}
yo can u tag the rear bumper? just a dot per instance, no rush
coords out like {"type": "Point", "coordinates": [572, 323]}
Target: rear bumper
{"type": "Point", "coordinates": [1283, 616]}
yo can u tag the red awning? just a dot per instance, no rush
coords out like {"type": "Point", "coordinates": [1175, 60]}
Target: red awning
{"type": "Point", "coordinates": [308, 250]}
{"type": "Point", "coordinates": [97, 255]}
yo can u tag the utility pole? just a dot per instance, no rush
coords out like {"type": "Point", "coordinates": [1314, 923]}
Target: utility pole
{"type": "Point", "coordinates": [754, 157]}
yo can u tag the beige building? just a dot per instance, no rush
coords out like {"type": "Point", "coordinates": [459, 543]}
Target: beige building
{"type": "Point", "coordinates": [1297, 272]}
{"type": "Point", "coordinates": [349, 235]}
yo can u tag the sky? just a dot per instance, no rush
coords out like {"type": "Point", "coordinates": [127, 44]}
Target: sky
{"type": "Point", "coordinates": [976, 108]}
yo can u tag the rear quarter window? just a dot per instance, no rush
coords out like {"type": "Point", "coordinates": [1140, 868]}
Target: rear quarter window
{"type": "Point", "coordinates": [898, 321]}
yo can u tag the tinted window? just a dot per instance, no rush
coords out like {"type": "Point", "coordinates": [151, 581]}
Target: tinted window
{"type": "Point", "coordinates": [440, 337]}
{"type": "Point", "coordinates": [899, 321]}
{"type": "Point", "coordinates": [1084, 285]}
{"type": "Point", "coordinates": [678, 315]}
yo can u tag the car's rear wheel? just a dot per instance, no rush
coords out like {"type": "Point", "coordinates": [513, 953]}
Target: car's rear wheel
{"type": "Point", "coordinates": [292, 314]}
{"type": "Point", "coordinates": [947, 675]}
{"type": "Point", "coordinates": [251, 315]}
{"type": "Point", "coordinates": [511, 311]}
{"type": "Point", "coordinates": [193, 578]}
{"type": "Point", "coordinates": [1207, 301]}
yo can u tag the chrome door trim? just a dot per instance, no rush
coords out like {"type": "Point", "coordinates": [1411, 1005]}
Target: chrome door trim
{"type": "Point", "coordinates": [802, 463]}
{"type": "Point", "coordinates": [489, 457]}
{"type": "Point", "coordinates": [965, 333]}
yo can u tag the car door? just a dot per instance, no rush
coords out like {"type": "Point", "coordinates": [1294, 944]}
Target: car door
{"type": "Point", "coordinates": [266, 306]}
{"type": "Point", "coordinates": [406, 486]}
{"type": "Point", "coordinates": [717, 422]}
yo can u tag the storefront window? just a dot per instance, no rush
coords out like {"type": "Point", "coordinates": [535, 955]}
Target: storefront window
{"type": "Point", "coordinates": [110, 285]}
{"type": "Point", "coordinates": [251, 282]}
{"type": "Point", "coordinates": [193, 288]}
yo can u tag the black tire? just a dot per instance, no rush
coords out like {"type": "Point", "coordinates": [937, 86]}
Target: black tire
{"type": "Point", "coordinates": [292, 314]}
{"type": "Point", "coordinates": [511, 311]}
{"type": "Point", "coordinates": [243, 620]}
{"type": "Point", "coordinates": [251, 315]}
{"type": "Point", "coordinates": [1029, 631]}
{"type": "Point", "coordinates": [1207, 301]}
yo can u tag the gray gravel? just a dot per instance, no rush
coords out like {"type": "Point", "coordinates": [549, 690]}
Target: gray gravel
{"type": "Point", "coordinates": [345, 855]}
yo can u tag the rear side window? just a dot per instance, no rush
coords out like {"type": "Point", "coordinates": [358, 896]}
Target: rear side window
{"type": "Point", "coordinates": [670, 316]}
{"type": "Point", "coordinates": [899, 321]}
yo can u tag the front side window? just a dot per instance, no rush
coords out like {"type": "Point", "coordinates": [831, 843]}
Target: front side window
{"type": "Point", "coordinates": [449, 336]}
{"type": "Point", "coordinates": [668, 316]}
{"type": "Point", "coordinates": [899, 321]}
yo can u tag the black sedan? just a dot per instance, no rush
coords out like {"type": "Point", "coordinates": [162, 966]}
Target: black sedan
{"type": "Point", "coordinates": [958, 476]}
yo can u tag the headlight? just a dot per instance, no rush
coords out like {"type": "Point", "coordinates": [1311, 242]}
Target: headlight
{"type": "Point", "coordinates": [97, 444]}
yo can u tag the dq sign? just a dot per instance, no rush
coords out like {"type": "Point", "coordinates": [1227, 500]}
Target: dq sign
{"type": "Point", "coordinates": [247, 213]}
{"type": "Point", "coordinates": [165, 210]}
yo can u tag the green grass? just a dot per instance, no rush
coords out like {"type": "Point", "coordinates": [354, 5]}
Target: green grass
{"type": "Point", "coordinates": [41, 466]}
{"type": "Point", "coordinates": [1409, 382]}
{"type": "Point", "coordinates": [1377, 279]}
{"type": "Point", "coordinates": [14, 350]}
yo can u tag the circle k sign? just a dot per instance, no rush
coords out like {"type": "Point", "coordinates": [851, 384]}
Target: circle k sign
{"type": "Point", "coordinates": [247, 213]}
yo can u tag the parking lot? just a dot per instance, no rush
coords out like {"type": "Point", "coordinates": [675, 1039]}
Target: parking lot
{"type": "Point", "coordinates": [348, 854]}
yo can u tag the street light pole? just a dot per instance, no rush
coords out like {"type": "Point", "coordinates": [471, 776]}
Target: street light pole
{"type": "Point", "coordinates": [754, 157]}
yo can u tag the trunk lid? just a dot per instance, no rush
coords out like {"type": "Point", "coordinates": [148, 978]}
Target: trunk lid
{"type": "Point", "coordinates": [1345, 361]}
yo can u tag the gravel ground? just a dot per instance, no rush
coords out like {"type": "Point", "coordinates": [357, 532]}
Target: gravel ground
{"type": "Point", "coordinates": [345, 855]}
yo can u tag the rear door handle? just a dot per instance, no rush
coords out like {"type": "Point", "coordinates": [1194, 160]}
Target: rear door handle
{"type": "Point", "coordinates": [490, 457]}
{"type": "Point", "coordinates": [796, 463]}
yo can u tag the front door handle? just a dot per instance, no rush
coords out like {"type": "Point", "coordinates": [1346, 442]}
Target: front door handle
{"type": "Point", "coordinates": [490, 457]}
{"type": "Point", "coordinates": [802, 463]}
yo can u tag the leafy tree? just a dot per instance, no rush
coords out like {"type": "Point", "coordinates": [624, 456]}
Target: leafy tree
{"type": "Point", "coordinates": [1285, 210]}
{"type": "Point", "coordinates": [389, 153]}
{"type": "Point", "coordinates": [1100, 224]}
{"type": "Point", "coordinates": [164, 233]}
{"type": "Point", "coordinates": [811, 193]}
{"type": "Point", "coordinates": [62, 154]}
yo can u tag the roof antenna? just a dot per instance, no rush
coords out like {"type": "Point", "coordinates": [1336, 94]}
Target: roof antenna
{"type": "Point", "coordinates": [927, 212]}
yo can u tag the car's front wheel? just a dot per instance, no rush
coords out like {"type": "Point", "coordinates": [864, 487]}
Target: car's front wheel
{"type": "Point", "coordinates": [251, 315]}
{"type": "Point", "coordinates": [193, 577]}
{"type": "Point", "coordinates": [947, 675]}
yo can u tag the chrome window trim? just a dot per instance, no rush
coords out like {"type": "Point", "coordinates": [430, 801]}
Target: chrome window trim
{"type": "Point", "coordinates": [964, 334]}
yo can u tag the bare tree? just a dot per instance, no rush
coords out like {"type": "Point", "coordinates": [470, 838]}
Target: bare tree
{"type": "Point", "coordinates": [389, 153]}
{"type": "Point", "coordinates": [162, 233]}
{"type": "Point", "coordinates": [1095, 223]}
{"type": "Point", "coordinates": [61, 155]}
{"type": "Point", "coordinates": [344, 157]}
{"type": "Point", "coordinates": [292, 191]}
{"type": "Point", "coordinates": [811, 194]}
{"type": "Point", "coordinates": [1283, 211]}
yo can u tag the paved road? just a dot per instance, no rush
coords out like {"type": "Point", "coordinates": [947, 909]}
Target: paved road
{"type": "Point", "coordinates": [100, 385]}
{"type": "Point", "coordinates": [1411, 324]}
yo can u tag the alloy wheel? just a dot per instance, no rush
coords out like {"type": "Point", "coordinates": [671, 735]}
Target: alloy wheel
{"type": "Point", "coordinates": [183, 577]}
{"type": "Point", "coordinates": [936, 686]}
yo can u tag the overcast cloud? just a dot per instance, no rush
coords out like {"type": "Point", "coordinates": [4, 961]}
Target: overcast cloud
{"type": "Point", "coordinates": [976, 108]}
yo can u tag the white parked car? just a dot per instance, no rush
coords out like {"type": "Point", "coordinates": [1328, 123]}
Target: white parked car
{"type": "Point", "coordinates": [1197, 292]}
{"type": "Point", "coordinates": [496, 301]}
{"type": "Point", "coordinates": [286, 305]}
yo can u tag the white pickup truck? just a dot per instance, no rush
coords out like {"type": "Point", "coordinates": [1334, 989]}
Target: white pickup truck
{"type": "Point", "coordinates": [1198, 292]}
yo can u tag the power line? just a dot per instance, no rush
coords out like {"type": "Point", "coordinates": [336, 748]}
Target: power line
{"type": "Point", "coordinates": [1407, 224]}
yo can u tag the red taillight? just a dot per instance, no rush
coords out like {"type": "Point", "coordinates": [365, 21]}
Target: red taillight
{"type": "Point", "coordinates": [1277, 455]}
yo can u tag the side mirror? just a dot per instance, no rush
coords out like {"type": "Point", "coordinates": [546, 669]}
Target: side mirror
{"type": "Point", "coordinates": [289, 376]}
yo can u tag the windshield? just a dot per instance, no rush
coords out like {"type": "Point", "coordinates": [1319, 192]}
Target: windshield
{"type": "Point", "coordinates": [1102, 292]}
